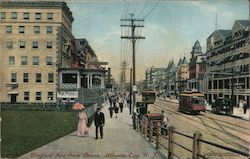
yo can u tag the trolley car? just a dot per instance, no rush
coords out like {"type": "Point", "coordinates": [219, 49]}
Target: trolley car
{"type": "Point", "coordinates": [148, 96]}
{"type": "Point", "coordinates": [191, 102]}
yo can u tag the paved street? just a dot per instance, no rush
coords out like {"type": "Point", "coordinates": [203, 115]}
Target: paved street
{"type": "Point", "coordinates": [120, 141]}
{"type": "Point", "coordinates": [225, 130]}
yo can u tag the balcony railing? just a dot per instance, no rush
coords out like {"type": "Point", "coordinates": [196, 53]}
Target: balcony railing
{"type": "Point", "coordinates": [68, 86]}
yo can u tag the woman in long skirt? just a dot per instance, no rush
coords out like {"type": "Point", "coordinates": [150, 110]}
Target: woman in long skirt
{"type": "Point", "coordinates": [82, 124]}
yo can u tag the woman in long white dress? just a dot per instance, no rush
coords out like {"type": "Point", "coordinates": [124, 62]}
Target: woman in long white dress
{"type": "Point", "coordinates": [82, 124]}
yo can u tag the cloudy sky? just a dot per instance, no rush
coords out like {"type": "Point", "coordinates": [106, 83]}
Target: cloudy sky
{"type": "Point", "coordinates": [170, 28]}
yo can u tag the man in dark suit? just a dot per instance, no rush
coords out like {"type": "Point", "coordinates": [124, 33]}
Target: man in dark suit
{"type": "Point", "coordinates": [99, 122]}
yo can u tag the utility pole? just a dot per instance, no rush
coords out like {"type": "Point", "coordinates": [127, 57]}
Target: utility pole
{"type": "Point", "coordinates": [130, 92]}
{"type": "Point", "coordinates": [109, 83]}
{"type": "Point", "coordinates": [133, 39]}
{"type": "Point", "coordinates": [123, 74]}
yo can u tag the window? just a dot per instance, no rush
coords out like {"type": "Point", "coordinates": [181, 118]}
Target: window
{"type": "Point", "coordinates": [38, 95]}
{"type": "Point", "coordinates": [2, 15]}
{"type": "Point", "coordinates": [38, 16]}
{"type": "Point", "coordinates": [21, 29]}
{"type": "Point", "coordinates": [36, 29]}
{"type": "Point", "coordinates": [26, 15]}
{"type": "Point", "coordinates": [26, 96]}
{"type": "Point", "coordinates": [50, 78]}
{"type": "Point", "coordinates": [49, 30]}
{"type": "Point", "coordinates": [49, 44]}
{"type": "Point", "coordinates": [35, 60]}
{"type": "Point", "coordinates": [25, 77]}
{"type": "Point", "coordinates": [50, 16]}
{"type": "Point", "coordinates": [24, 60]}
{"type": "Point", "coordinates": [248, 83]}
{"type": "Point", "coordinates": [11, 60]}
{"type": "Point", "coordinates": [14, 15]}
{"type": "Point", "coordinates": [8, 29]}
{"type": "Point", "coordinates": [38, 77]}
{"type": "Point", "coordinates": [9, 44]}
{"type": "Point", "coordinates": [35, 44]}
{"type": "Point", "coordinates": [49, 60]}
{"type": "Point", "coordinates": [22, 44]}
{"type": "Point", "coordinates": [13, 77]}
{"type": "Point", "coordinates": [50, 96]}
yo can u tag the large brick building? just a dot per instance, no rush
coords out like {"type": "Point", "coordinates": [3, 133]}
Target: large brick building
{"type": "Point", "coordinates": [35, 42]}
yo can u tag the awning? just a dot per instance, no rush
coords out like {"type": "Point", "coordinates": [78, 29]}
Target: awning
{"type": "Point", "coordinates": [13, 92]}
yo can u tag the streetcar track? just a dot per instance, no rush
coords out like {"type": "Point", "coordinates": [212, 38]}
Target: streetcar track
{"type": "Point", "coordinates": [230, 134]}
{"type": "Point", "coordinates": [181, 114]}
{"type": "Point", "coordinates": [246, 128]}
{"type": "Point", "coordinates": [192, 126]}
{"type": "Point", "coordinates": [224, 124]}
{"type": "Point", "coordinates": [216, 136]}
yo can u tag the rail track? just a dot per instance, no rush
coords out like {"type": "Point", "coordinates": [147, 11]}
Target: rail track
{"type": "Point", "coordinates": [216, 129]}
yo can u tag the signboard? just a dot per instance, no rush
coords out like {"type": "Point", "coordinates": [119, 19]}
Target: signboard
{"type": "Point", "coordinates": [134, 88]}
{"type": "Point", "coordinates": [67, 94]}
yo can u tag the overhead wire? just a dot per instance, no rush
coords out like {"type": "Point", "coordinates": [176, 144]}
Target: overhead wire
{"type": "Point", "coordinates": [141, 13]}
{"type": "Point", "coordinates": [152, 9]}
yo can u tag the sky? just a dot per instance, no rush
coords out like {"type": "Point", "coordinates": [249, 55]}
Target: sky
{"type": "Point", "coordinates": [170, 28]}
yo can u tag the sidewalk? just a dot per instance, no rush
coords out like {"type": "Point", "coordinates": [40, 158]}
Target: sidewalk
{"type": "Point", "coordinates": [237, 112]}
{"type": "Point", "coordinates": [120, 141]}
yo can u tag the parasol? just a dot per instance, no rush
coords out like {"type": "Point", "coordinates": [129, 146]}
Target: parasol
{"type": "Point", "coordinates": [78, 106]}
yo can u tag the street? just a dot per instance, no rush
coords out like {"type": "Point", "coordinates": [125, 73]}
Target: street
{"type": "Point", "coordinates": [220, 129]}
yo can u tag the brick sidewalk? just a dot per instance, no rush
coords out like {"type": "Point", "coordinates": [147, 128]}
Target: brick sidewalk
{"type": "Point", "coordinates": [120, 141]}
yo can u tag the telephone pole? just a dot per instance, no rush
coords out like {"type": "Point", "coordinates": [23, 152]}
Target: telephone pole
{"type": "Point", "coordinates": [123, 74]}
{"type": "Point", "coordinates": [133, 39]}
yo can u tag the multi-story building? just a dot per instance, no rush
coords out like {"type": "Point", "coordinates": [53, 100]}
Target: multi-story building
{"type": "Point", "coordinates": [35, 42]}
{"type": "Point", "coordinates": [228, 63]}
{"type": "Point", "coordinates": [170, 76]}
{"type": "Point", "coordinates": [182, 75]}
{"type": "Point", "coordinates": [197, 68]}
{"type": "Point", "coordinates": [155, 79]}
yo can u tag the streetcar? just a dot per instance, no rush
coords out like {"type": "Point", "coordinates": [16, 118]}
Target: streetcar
{"type": "Point", "coordinates": [191, 102]}
{"type": "Point", "coordinates": [148, 96]}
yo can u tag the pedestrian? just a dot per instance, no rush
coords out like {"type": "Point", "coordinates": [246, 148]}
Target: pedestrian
{"type": "Point", "coordinates": [116, 111]}
{"type": "Point", "coordinates": [164, 123]}
{"type": "Point", "coordinates": [99, 122]}
{"type": "Point", "coordinates": [241, 105]}
{"type": "Point", "coordinates": [114, 101]}
{"type": "Point", "coordinates": [121, 104]}
{"type": "Point", "coordinates": [82, 124]}
{"type": "Point", "coordinates": [111, 109]}
{"type": "Point", "coordinates": [245, 107]}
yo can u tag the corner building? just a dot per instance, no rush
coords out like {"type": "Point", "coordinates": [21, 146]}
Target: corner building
{"type": "Point", "coordinates": [228, 63]}
{"type": "Point", "coordinates": [35, 42]}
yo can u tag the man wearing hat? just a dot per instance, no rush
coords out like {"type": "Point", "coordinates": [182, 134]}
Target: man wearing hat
{"type": "Point", "coordinates": [99, 122]}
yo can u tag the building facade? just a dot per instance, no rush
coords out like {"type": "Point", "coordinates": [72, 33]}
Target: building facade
{"type": "Point", "coordinates": [228, 63]}
{"type": "Point", "coordinates": [182, 75]}
{"type": "Point", "coordinates": [170, 76]}
{"type": "Point", "coordinates": [35, 42]}
{"type": "Point", "coordinates": [197, 68]}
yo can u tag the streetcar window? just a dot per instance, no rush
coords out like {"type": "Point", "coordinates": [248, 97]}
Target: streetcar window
{"type": "Point", "coordinates": [197, 100]}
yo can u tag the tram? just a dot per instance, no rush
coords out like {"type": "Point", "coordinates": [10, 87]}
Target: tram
{"type": "Point", "coordinates": [148, 96]}
{"type": "Point", "coordinates": [191, 102]}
